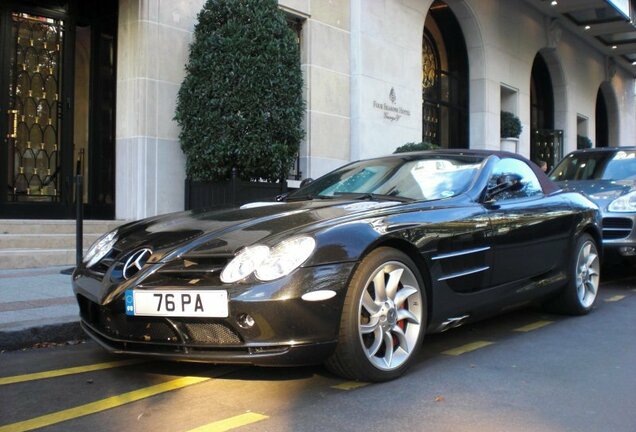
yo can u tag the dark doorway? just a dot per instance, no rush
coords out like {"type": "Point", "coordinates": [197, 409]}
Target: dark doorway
{"type": "Point", "coordinates": [602, 120]}
{"type": "Point", "coordinates": [444, 80]}
{"type": "Point", "coordinates": [56, 58]}
{"type": "Point", "coordinates": [541, 96]}
{"type": "Point", "coordinates": [546, 143]}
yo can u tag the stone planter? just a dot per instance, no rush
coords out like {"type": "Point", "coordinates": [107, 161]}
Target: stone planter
{"type": "Point", "coordinates": [510, 144]}
{"type": "Point", "coordinates": [230, 193]}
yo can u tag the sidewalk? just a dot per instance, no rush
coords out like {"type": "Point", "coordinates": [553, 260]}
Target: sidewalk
{"type": "Point", "coordinates": [37, 305]}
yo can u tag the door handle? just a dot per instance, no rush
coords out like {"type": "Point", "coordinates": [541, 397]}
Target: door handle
{"type": "Point", "coordinates": [13, 125]}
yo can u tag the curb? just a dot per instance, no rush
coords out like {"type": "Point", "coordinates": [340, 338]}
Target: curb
{"type": "Point", "coordinates": [26, 338]}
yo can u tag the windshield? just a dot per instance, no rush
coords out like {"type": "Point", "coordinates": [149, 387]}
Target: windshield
{"type": "Point", "coordinates": [619, 165]}
{"type": "Point", "coordinates": [428, 177]}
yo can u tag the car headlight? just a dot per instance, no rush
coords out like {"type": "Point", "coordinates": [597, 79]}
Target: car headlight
{"type": "Point", "coordinates": [626, 203]}
{"type": "Point", "coordinates": [100, 248]}
{"type": "Point", "coordinates": [269, 264]}
{"type": "Point", "coordinates": [244, 263]}
{"type": "Point", "coordinates": [285, 257]}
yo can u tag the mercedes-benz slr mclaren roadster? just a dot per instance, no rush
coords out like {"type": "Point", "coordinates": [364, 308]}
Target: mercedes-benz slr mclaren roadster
{"type": "Point", "coordinates": [351, 270]}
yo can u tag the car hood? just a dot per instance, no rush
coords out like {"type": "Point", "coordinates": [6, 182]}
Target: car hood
{"type": "Point", "coordinates": [224, 231]}
{"type": "Point", "coordinates": [602, 192]}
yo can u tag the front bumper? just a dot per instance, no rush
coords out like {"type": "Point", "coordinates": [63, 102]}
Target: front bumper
{"type": "Point", "coordinates": [619, 232]}
{"type": "Point", "coordinates": [283, 355]}
{"type": "Point", "coordinates": [287, 330]}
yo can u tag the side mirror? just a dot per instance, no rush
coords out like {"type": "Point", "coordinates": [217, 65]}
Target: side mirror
{"type": "Point", "coordinates": [503, 183]}
{"type": "Point", "coordinates": [306, 181]}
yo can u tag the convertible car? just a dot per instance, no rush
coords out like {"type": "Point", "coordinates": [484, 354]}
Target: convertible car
{"type": "Point", "coordinates": [608, 177]}
{"type": "Point", "coordinates": [351, 270]}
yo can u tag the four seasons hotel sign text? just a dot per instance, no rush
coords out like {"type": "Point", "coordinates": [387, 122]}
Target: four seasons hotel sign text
{"type": "Point", "coordinates": [391, 111]}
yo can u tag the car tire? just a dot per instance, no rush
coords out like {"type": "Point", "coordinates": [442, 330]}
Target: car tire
{"type": "Point", "coordinates": [580, 293]}
{"type": "Point", "coordinates": [383, 319]}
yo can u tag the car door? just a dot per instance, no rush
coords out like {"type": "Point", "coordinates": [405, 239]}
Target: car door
{"type": "Point", "coordinates": [529, 229]}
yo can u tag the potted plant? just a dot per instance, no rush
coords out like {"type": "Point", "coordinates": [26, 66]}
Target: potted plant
{"type": "Point", "coordinates": [240, 104]}
{"type": "Point", "coordinates": [410, 147]}
{"type": "Point", "coordinates": [510, 129]}
{"type": "Point", "coordinates": [583, 142]}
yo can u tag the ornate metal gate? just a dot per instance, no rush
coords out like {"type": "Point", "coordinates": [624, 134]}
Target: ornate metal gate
{"type": "Point", "coordinates": [547, 145]}
{"type": "Point", "coordinates": [34, 108]}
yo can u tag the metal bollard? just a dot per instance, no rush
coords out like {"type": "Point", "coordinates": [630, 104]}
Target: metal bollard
{"type": "Point", "coordinates": [79, 219]}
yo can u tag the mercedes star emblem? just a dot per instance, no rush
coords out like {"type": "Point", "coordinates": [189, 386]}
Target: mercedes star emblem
{"type": "Point", "coordinates": [135, 262]}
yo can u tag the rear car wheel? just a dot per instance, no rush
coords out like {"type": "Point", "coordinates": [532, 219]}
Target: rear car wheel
{"type": "Point", "coordinates": [383, 318]}
{"type": "Point", "coordinates": [580, 293]}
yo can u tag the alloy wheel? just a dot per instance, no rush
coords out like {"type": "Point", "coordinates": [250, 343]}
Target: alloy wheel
{"type": "Point", "coordinates": [587, 274]}
{"type": "Point", "coordinates": [390, 315]}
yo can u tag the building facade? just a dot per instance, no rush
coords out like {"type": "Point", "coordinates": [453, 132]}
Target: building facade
{"type": "Point", "coordinates": [92, 88]}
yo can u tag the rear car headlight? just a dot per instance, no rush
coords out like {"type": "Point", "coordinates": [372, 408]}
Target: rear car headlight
{"type": "Point", "coordinates": [285, 257]}
{"type": "Point", "coordinates": [244, 263]}
{"type": "Point", "coordinates": [269, 264]}
{"type": "Point", "coordinates": [626, 203]}
{"type": "Point", "coordinates": [100, 248]}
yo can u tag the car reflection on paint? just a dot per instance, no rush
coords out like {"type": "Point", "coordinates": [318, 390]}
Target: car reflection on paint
{"type": "Point", "coordinates": [350, 270]}
{"type": "Point", "coordinates": [608, 177]}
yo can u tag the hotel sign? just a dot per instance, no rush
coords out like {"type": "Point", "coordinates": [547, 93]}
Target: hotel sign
{"type": "Point", "coordinates": [390, 109]}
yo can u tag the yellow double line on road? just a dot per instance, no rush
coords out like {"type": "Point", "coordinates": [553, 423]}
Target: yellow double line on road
{"type": "Point", "coordinates": [67, 371]}
{"type": "Point", "coordinates": [116, 401]}
{"type": "Point", "coordinates": [467, 348]}
{"type": "Point", "coordinates": [615, 298]}
{"type": "Point", "coordinates": [231, 423]}
{"type": "Point", "coordinates": [473, 346]}
{"type": "Point", "coordinates": [534, 326]}
{"type": "Point", "coordinates": [101, 405]}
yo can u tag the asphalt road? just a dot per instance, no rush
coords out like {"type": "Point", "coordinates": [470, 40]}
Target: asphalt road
{"type": "Point", "coordinates": [526, 371]}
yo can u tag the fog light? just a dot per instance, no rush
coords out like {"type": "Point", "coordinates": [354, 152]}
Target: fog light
{"type": "Point", "coordinates": [245, 321]}
{"type": "Point", "coordinates": [627, 251]}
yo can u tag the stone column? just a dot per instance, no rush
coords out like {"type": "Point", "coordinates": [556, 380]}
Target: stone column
{"type": "Point", "coordinates": [325, 63]}
{"type": "Point", "coordinates": [152, 49]}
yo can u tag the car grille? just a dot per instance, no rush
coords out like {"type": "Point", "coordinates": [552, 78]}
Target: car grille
{"type": "Point", "coordinates": [118, 325]}
{"type": "Point", "coordinates": [210, 333]}
{"type": "Point", "coordinates": [616, 228]}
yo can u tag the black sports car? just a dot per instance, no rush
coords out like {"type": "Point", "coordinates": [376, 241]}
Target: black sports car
{"type": "Point", "coordinates": [351, 270]}
{"type": "Point", "coordinates": [608, 177]}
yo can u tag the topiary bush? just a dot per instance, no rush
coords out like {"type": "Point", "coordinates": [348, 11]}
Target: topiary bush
{"type": "Point", "coordinates": [583, 142]}
{"type": "Point", "coordinates": [240, 104]}
{"type": "Point", "coordinates": [411, 147]}
{"type": "Point", "coordinates": [510, 125]}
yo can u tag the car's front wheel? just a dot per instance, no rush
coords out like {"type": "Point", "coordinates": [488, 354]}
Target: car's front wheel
{"type": "Point", "coordinates": [383, 318]}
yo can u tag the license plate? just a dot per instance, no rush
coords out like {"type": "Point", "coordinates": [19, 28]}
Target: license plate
{"type": "Point", "coordinates": [189, 303]}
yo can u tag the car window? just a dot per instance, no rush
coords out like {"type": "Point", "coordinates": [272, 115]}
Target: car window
{"type": "Point", "coordinates": [359, 180]}
{"type": "Point", "coordinates": [508, 167]}
{"type": "Point", "coordinates": [415, 177]}
{"type": "Point", "coordinates": [620, 165]}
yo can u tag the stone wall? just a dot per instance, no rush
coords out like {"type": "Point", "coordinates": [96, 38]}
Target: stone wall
{"type": "Point", "coordinates": [361, 61]}
{"type": "Point", "coordinates": [326, 60]}
{"type": "Point", "coordinates": [153, 40]}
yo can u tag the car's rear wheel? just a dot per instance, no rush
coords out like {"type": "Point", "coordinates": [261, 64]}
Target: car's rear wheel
{"type": "Point", "coordinates": [579, 295]}
{"type": "Point", "coordinates": [383, 318]}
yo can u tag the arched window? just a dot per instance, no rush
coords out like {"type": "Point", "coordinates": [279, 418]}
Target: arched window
{"type": "Point", "coordinates": [444, 80]}
{"type": "Point", "coordinates": [546, 142]}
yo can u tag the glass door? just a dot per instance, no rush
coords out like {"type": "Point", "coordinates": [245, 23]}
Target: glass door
{"type": "Point", "coordinates": [36, 158]}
